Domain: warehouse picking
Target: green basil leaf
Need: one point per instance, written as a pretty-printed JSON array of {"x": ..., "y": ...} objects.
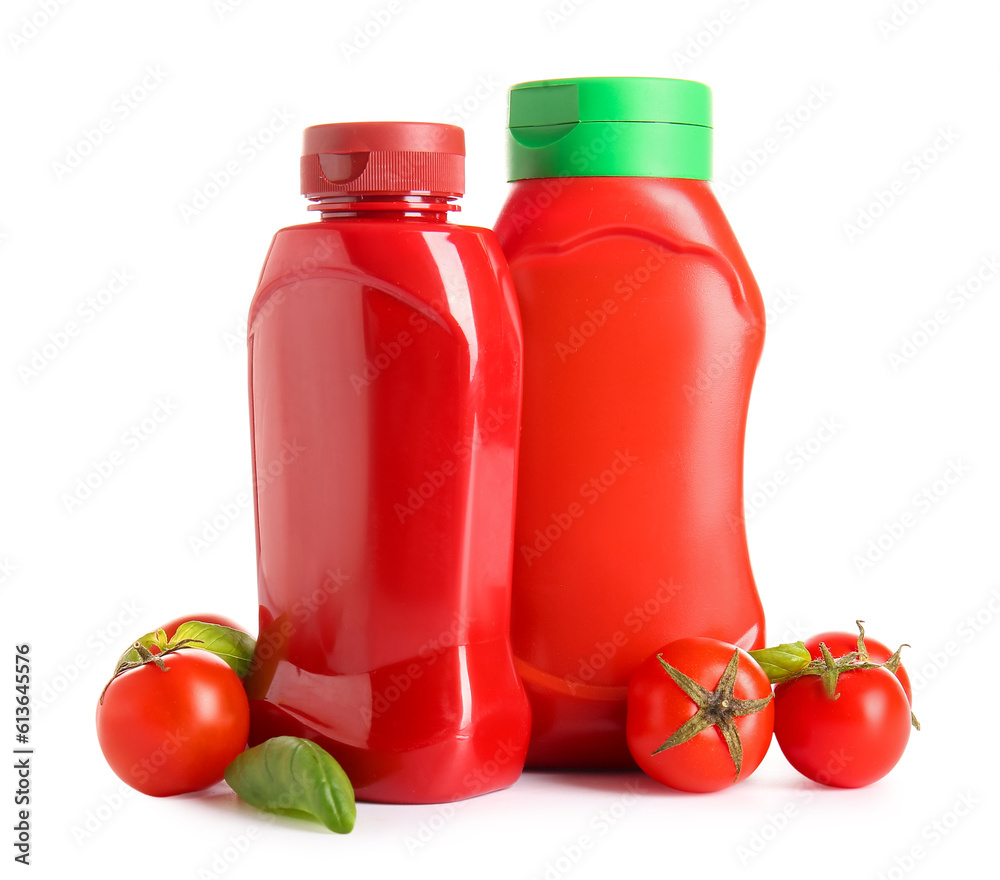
[
  {"x": 290, "y": 773},
  {"x": 232, "y": 645},
  {"x": 782, "y": 662}
]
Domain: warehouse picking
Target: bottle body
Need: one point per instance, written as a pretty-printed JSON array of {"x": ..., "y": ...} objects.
[
  {"x": 385, "y": 392},
  {"x": 642, "y": 330}
]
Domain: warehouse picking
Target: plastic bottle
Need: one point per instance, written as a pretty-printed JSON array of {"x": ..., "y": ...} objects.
[
  {"x": 643, "y": 327},
  {"x": 385, "y": 393}
]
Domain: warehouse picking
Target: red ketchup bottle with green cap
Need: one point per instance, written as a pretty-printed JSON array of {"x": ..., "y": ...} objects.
[
  {"x": 385, "y": 395},
  {"x": 642, "y": 330}
]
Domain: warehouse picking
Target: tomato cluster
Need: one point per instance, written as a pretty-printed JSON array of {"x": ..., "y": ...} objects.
[{"x": 701, "y": 712}]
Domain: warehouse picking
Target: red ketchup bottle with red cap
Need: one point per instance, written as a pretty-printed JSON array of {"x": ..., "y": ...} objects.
[{"x": 385, "y": 395}]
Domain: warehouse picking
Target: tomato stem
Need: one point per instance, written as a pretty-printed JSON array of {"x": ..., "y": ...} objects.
[
  {"x": 862, "y": 647},
  {"x": 831, "y": 671},
  {"x": 125, "y": 662}
]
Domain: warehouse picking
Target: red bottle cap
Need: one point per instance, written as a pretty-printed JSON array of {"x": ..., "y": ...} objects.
[{"x": 383, "y": 158}]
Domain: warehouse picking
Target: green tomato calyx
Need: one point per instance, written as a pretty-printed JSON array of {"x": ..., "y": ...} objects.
[{"x": 716, "y": 708}]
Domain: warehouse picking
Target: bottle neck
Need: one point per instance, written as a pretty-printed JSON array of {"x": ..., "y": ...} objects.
[{"x": 408, "y": 206}]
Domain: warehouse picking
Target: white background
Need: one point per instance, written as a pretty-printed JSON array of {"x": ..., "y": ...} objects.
[{"x": 823, "y": 109}]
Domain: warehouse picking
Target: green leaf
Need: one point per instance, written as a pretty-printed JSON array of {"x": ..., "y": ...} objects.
[
  {"x": 290, "y": 773},
  {"x": 782, "y": 662},
  {"x": 232, "y": 645}
]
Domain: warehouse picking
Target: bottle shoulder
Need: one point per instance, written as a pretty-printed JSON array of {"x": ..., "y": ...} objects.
[
  {"x": 385, "y": 254},
  {"x": 560, "y": 213},
  {"x": 374, "y": 226},
  {"x": 558, "y": 207},
  {"x": 617, "y": 221}
]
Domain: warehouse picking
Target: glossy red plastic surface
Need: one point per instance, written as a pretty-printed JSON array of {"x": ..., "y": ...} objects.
[
  {"x": 385, "y": 404},
  {"x": 642, "y": 330}
]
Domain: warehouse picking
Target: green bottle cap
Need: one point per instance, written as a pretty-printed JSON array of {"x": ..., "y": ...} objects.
[{"x": 610, "y": 126}]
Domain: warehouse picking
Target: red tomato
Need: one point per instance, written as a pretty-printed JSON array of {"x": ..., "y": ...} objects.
[
  {"x": 847, "y": 742},
  {"x": 657, "y": 707},
  {"x": 174, "y": 731},
  {"x": 841, "y": 643}
]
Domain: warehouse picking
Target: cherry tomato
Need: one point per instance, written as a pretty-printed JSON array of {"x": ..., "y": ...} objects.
[
  {"x": 849, "y": 741},
  {"x": 841, "y": 643},
  {"x": 172, "y": 731},
  {"x": 658, "y": 707}
]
